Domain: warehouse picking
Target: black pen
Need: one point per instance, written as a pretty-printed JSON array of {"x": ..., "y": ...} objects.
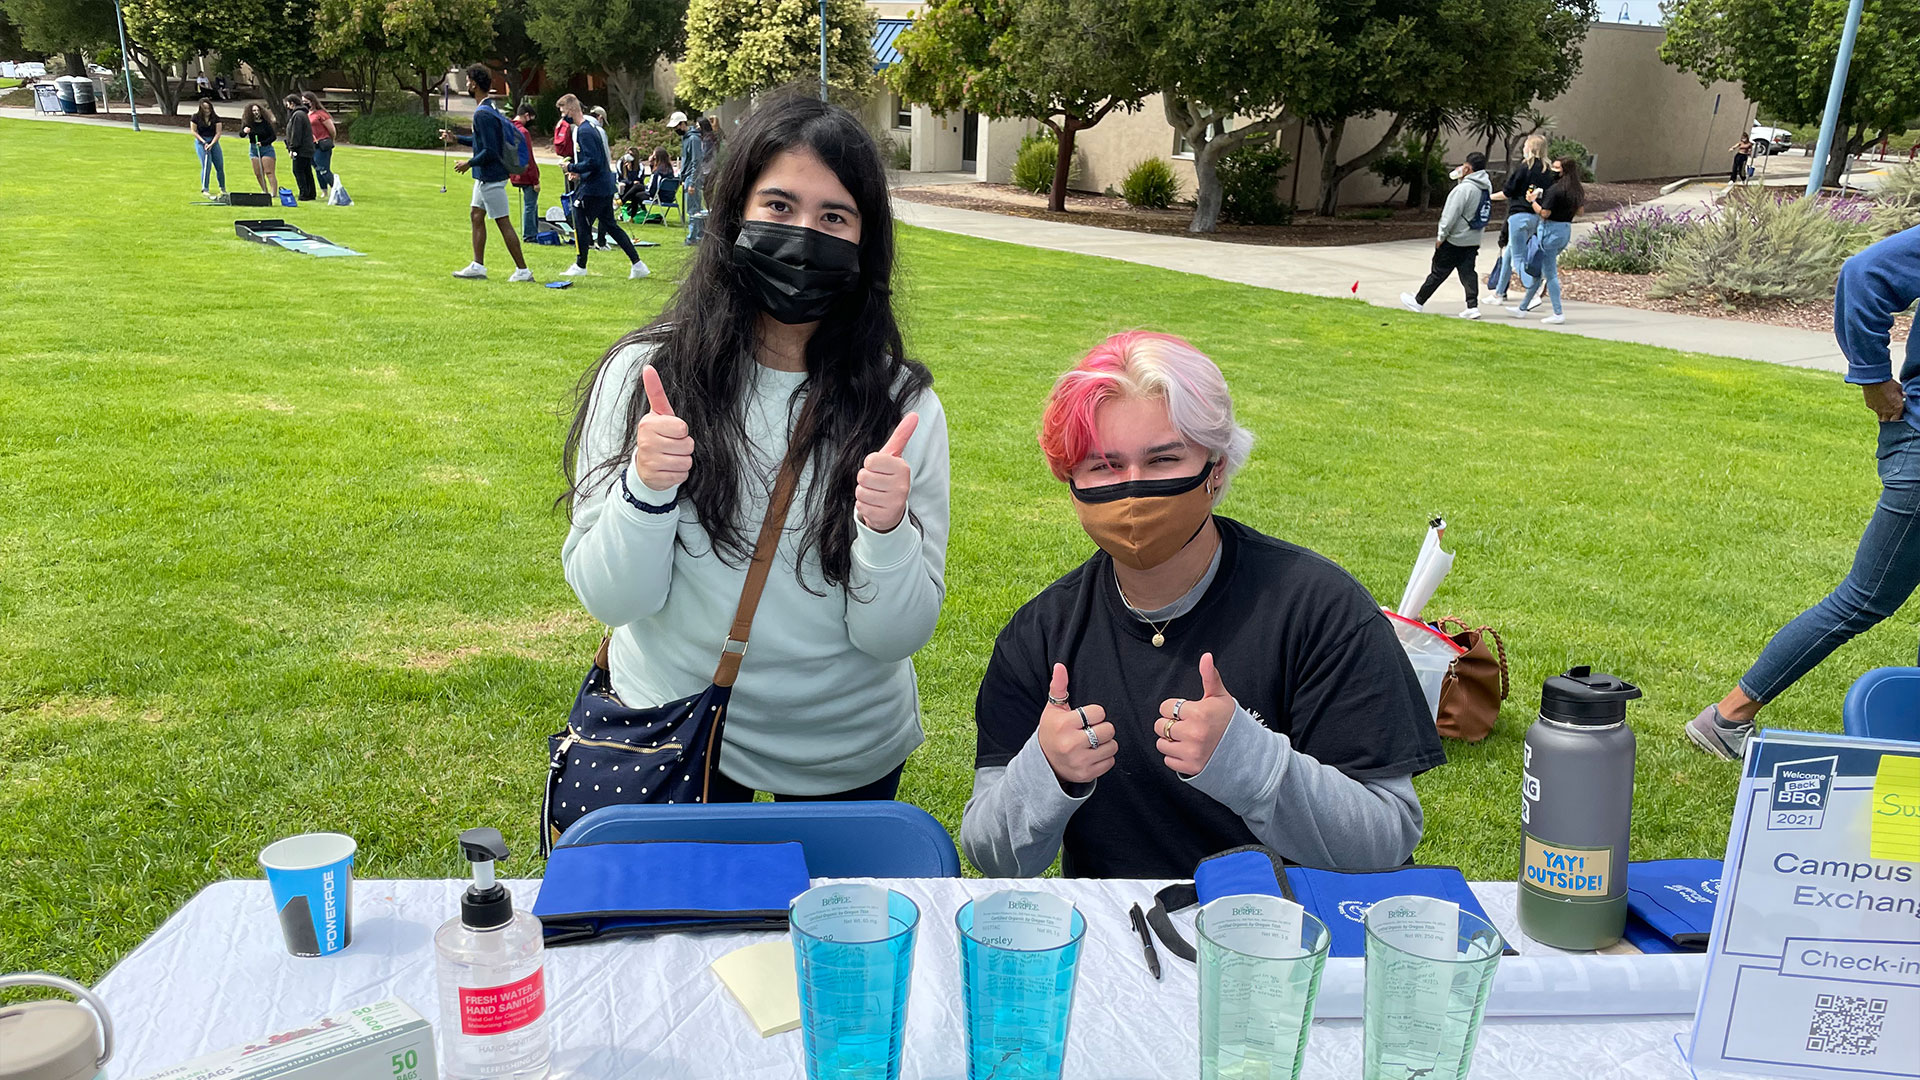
[{"x": 1146, "y": 940}]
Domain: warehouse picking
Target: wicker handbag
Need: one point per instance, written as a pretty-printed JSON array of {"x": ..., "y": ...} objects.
[{"x": 1475, "y": 683}]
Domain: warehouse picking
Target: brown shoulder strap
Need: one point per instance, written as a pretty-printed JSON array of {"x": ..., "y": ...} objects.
[{"x": 764, "y": 548}]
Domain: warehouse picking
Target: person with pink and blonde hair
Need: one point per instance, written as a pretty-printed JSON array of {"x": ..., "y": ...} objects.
[{"x": 1107, "y": 731}]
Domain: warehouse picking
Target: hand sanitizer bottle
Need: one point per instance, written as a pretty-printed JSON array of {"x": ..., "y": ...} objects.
[{"x": 493, "y": 991}]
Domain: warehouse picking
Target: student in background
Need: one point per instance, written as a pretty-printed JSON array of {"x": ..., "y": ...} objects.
[
  {"x": 528, "y": 181},
  {"x": 1742, "y": 150},
  {"x": 1525, "y": 183},
  {"x": 206, "y": 142},
  {"x": 323, "y": 142},
  {"x": 490, "y": 128},
  {"x": 1874, "y": 286},
  {"x": 593, "y": 198},
  {"x": 300, "y": 144},
  {"x": 691, "y": 177},
  {"x": 563, "y": 146},
  {"x": 631, "y": 180},
  {"x": 257, "y": 126},
  {"x": 1557, "y": 207},
  {"x": 662, "y": 188},
  {"x": 1462, "y": 223}
]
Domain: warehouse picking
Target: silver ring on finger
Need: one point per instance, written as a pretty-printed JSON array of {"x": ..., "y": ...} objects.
[
  {"x": 1057, "y": 701},
  {"x": 1093, "y": 739},
  {"x": 1085, "y": 724},
  {"x": 1177, "y": 702}
]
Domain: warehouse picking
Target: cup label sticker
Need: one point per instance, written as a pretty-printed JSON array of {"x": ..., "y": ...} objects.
[
  {"x": 1422, "y": 925},
  {"x": 491, "y": 1010},
  {"x": 1263, "y": 926},
  {"x": 844, "y": 913},
  {"x": 1014, "y": 919}
]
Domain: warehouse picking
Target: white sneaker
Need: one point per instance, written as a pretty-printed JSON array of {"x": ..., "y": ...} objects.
[
  {"x": 472, "y": 270},
  {"x": 1470, "y": 313},
  {"x": 1554, "y": 319},
  {"x": 1407, "y": 299},
  {"x": 522, "y": 274},
  {"x": 205, "y": 194},
  {"x": 1537, "y": 301},
  {"x": 1494, "y": 301},
  {"x": 639, "y": 271},
  {"x": 574, "y": 270},
  {"x": 1517, "y": 312}
]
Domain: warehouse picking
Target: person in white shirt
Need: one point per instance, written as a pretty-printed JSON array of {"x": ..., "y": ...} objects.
[{"x": 682, "y": 428}]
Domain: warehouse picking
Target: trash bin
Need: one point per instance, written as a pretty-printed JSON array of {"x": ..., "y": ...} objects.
[
  {"x": 83, "y": 96},
  {"x": 64, "y": 84}
]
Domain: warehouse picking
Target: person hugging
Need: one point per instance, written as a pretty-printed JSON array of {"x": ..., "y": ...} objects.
[{"x": 1196, "y": 685}]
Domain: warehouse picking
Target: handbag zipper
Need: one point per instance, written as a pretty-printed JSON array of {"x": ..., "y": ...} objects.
[{"x": 573, "y": 738}]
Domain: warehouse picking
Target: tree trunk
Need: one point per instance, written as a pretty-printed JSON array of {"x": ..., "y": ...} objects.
[
  {"x": 74, "y": 63},
  {"x": 1207, "y": 195},
  {"x": 1333, "y": 171},
  {"x": 516, "y": 85},
  {"x": 1845, "y": 145},
  {"x": 157, "y": 76},
  {"x": 631, "y": 89},
  {"x": 1426, "y": 154},
  {"x": 1062, "y": 165}
]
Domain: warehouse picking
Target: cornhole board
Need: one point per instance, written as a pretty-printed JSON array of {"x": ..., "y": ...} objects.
[{"x": 277, "y": 232}]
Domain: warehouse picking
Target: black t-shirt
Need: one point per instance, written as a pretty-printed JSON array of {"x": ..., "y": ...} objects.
[
  {"x": 1298, "y": 642},
  {"x": 1535, "y": 175},
  {"x": 1559, "y": 204},
  {"x": 260, "y": 132},
  {"x": 205, "y": 131}
]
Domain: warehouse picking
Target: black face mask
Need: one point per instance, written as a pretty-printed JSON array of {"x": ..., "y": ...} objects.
[{"x": 796, "y": 273}]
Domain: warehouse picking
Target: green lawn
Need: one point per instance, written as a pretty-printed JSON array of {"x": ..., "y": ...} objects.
[{"x": 278, "y": 548}]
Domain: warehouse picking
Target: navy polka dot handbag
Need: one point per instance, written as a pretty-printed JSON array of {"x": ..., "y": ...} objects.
[{"x": 611, "y": 754}]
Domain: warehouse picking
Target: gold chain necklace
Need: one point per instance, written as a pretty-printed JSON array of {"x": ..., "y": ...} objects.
[{"x": 1159, "y": 632}]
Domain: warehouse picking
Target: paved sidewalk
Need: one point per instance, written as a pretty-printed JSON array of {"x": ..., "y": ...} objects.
[{"x": 1383, "y": 271}]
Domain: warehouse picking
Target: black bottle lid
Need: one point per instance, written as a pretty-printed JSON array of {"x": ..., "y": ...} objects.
[
  {"x": 1586, "y": 697},
  {"x": 486, "y": 905}
]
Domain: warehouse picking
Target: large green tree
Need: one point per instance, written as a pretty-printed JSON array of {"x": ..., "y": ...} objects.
[
  {"x": 1229, "y": 73},
  {"x": 619, "y": 38},
  {"x": 736, "y": 48},
  {"x": 64, "y": 27},
  {"x": 516, "y": 50},
  {"x": 1065, "y": 63},
  {"x": 416, "y": 40},
  {"x": 1781, "y": 52}
]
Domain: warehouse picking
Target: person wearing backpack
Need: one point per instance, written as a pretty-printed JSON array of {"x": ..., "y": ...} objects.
[
  {"x": 593, "y": 198},
  {"x": 499, "y": 151},
  {"x": 1469, "y": 208}
]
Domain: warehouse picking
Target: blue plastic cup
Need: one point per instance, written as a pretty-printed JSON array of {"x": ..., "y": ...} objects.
[
  {"x": 853, "y": 959},
  {"x": 311, "y": 876},
  {"x": 1018, "y": 1000}
]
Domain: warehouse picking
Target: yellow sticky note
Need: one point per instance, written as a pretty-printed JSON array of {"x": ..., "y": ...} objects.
[
  {"x": 762, "y": 980},
  {"x": 1895, "y": 819}
]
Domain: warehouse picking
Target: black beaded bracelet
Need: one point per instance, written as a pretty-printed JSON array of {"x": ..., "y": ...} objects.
[{"x": 627, "y": 494}]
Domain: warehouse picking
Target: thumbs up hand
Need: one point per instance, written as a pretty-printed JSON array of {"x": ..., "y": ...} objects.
[
  {"x": 1079, "y": 742},
  {"x": 880, "y": 495},
  {"x": 1190, "y": 729},
  {"x": 662, "y": 449}
]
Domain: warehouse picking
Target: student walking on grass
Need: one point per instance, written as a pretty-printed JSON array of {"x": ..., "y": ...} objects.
[
  {"x": 1557, "y": 207},
  {"x": 528, "y": 181},
  {"x": 1874, "y": 286},
  {"x": 257, "y": 127},
  {"x": 490, "y": 130},
  {"x": 593, "y": 198},
  {"x": 324, "y": 133},
  {"x": 781, "y": 344},
  {"x": 1463, "y": 221},
  {"x": 206, "y": 142}
]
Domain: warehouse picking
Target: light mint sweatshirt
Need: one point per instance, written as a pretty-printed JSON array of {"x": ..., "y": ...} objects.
[{"x": 826, "y": 699}]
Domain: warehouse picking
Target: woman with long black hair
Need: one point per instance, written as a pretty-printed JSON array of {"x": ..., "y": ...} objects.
[
  {"x": 781, "y": 340},
  {"x": 1556, "y": 207}
]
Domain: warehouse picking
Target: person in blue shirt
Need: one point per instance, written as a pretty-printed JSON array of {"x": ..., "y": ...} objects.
[
  {"x": 491, "y": 128},
  {"x": 592, "y": 168},
  {"x": 1874, "y": 286}
]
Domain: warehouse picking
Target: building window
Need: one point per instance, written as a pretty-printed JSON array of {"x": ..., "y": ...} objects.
[
  {"x": 902, "y": 113},
  {"x": 1184, "y": 149}
]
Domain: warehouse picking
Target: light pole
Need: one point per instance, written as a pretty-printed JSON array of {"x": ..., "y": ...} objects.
[
  {"x": 1836, "y": 89},
  {"x": 126, "y": 64},
  {"x": 823, "y": 49}
]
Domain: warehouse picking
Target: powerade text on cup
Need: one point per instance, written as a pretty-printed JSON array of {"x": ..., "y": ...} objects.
[
  {"x": 1576, "y": 812},
  {"x": 312, "y": 881}
]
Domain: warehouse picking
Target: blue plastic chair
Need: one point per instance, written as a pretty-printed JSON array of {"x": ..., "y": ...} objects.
[
  {"x": 841, "y": 839},
  {"x": 1884, "y": 704}
]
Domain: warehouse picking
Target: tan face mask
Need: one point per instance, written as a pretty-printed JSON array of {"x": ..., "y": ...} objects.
[{"x": 1143, "y": 523}]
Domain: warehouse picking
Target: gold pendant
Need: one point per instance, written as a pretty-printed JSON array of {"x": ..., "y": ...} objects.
[{"x": 1159, "y": 640}]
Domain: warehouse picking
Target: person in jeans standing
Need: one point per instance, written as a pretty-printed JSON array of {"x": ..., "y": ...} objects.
[
  {"x": 691, "y": 152},
  {"x": 300, "y": 143},
  {"x": 490, "y": 130},
  {"x": 323, "y": 142},
  {"x": 1463, "y": 221},
  {"x": 206, "y": 141},
  {"x": 1523, "y": 185},
  {"x": 593, "y": 198},
  {"x": 1557, "y": 207},
  {"x": 528, "y": 181},
  {"x": 257, "y": 126},
  {"x": 1742, "y": 150},
  {"x": 1874, "y": 286}
]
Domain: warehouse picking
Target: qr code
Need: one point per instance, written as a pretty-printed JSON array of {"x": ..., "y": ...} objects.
[{"x": 1846, "y": 1025}]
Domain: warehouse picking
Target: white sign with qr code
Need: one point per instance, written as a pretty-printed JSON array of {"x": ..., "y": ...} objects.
[{"x": 1814, "y": 961}]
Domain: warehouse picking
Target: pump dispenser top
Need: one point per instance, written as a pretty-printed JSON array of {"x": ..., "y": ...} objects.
[{"x": 487, "y": 904}]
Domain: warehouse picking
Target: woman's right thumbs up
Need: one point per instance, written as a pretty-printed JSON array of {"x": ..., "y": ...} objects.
[{"x": 662, "y": 449}]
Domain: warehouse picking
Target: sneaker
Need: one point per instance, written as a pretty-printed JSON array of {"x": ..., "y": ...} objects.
[
  {"x": 1718, "y": 735},
  {"x": 1516, "y": 312},
  {"x": 639, "y": 271},
  {"x": 472, "y": 270},
  {"x": 1537, "y": 301},
  {"x": 522, "y": 274},
  {"x": 574, "y": 270},
  {"x": 1470, "y": 313},
  {"x": 1496, "y": 301},
  {"x": 1556, "y": 319},
  {"x": 1408, "y": 301},
  {"x": 205, "y": 194}
]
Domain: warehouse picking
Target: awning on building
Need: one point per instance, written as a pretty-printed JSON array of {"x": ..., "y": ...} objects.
[{"x": 885, "y": 33}]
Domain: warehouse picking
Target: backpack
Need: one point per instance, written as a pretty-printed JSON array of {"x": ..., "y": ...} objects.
[
  {"x": 515, "y": 152},
  {"x": 1483, "y": 213}
]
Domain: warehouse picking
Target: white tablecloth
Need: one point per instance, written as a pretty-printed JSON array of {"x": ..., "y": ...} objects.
[{"x": 216, "y": 975}]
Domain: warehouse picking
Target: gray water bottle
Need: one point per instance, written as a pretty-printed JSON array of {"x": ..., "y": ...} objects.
[{"x": 1576, "y": 812}]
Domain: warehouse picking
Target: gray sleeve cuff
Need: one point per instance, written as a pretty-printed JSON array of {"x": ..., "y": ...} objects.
[
  {"x": 1014, "y": 823},
  {"x": 1247, "y": 767}
]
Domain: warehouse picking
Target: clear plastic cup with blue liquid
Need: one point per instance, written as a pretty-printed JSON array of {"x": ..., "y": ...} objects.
[
  {"x": 853, "y": 958},
  {"x": 1019, "y": 960}
]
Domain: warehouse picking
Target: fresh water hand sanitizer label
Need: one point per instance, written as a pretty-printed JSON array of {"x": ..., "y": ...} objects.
[{"x": 1014, "y": 919}]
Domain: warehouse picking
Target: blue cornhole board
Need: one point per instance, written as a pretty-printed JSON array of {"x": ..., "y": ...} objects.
[{"x": 280, "y": 234}]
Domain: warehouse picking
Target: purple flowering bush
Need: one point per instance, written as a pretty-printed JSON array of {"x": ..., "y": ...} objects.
[{"x": 1629, "y": 240}]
